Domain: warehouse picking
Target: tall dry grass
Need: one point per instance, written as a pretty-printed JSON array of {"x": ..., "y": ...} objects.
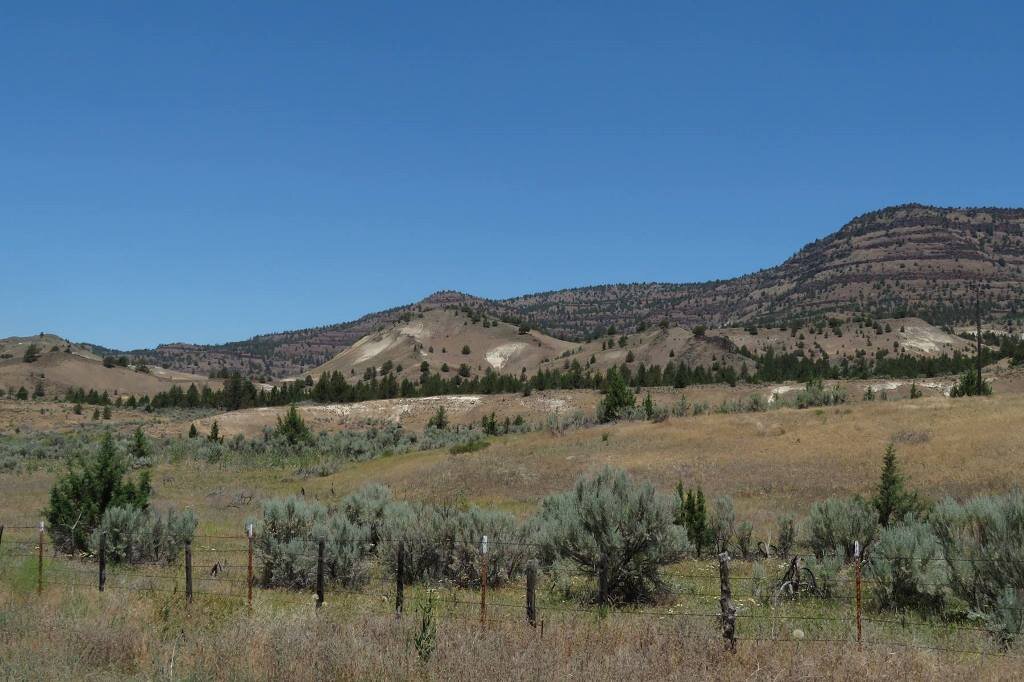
[{"x": 82, "y": 634}]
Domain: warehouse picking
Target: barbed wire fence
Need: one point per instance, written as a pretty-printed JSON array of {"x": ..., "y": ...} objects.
[{"x": 224, "y": 567}]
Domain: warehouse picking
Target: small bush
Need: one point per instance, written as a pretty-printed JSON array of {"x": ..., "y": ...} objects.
[
  {"x": 982, "y": 542},
  {"x": 835, "y": 525},
  {"x": 815, "y": 394},
  {"x": 907, "y": 568},
  {"x": 135, "y": 535},
  {"x": 469, "y": 446},
  {"x": 615, "y": 530},
  {"x": 367, "y": 507},
  {"x": 785, "y": 537},
  {"x": 723, "y": 522}
]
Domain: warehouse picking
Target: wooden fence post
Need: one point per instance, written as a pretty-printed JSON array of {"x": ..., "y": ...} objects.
[
  {"x": 400, "y": 581},
  {"x": 249, "y": 533},
  {"x": 856, "y": 552},
  {"x": 483, "y": 581},
  {"x": 728, "y": 610},
  {"x": 103, "y": 560},
  {"x": 531, "y": 592},
  {"x": 1, "y": 534},
  {"x": 320, "y": 574},
  {"x": 39, "y": 577},
  {"x": 188, "y": 572}
]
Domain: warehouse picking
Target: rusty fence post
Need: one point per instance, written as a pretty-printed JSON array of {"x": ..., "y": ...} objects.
[{"x": 728, "y": 610}]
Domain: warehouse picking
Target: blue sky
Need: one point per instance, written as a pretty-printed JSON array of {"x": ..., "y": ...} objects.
[{"x": 208, "y": 171}]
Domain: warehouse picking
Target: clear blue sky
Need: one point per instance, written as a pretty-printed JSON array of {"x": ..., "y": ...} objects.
[{"x": 207, "y": 171}]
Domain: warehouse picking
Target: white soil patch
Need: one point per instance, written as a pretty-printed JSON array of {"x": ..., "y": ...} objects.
[
  {"x": 499, "y": 355},
  {"x": 925, "y": 340},
  {"x": 370, "y": 349},
  {"x": 778, "y": 391},
  {"x": 553, "y": 403},
  {"x": 418, "y": 330},
  {"x": 886, "y": 386}
]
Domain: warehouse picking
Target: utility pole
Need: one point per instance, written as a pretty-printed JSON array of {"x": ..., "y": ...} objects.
[{"x": 977, "y": 320}]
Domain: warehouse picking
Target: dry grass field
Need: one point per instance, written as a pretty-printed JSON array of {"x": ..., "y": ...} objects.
[{"x": 769, "y": 462}]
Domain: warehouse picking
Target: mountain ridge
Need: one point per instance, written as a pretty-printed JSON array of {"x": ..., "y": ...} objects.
[{"x": 898, "y": 261}]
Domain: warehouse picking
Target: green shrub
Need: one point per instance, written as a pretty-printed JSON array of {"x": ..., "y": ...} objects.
[
  {"x": 968, "y": 385},
  {"x": 982, "y": 541},
  {"x": 442, "y": 543},
  {"x": 469, "y": 446},
  {"x": 618, "y": 398},
  {"x": 723, "y": 522},
  {"x": 835, "y": 525},
  {"x": 346, "y": 546},
  {"x": 293, "y": 428},
  {"x": 785, "y": 536},
  {"x": 907, "y": 568},
  {"x": 136, "y": 535},
  {"x": 893, "y": 500},
  {"x": 284, "y": 542},
  {"x": 367, "y": 507},
  {"x": 92, "y": 484},
  {"x": 615, "y": 530},
  {"x": 815, "y": 394}
]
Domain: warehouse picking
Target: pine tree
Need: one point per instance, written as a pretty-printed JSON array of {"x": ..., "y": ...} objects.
[
  {"x": 293, "y": 428},
  {"x": 92, "y": 484},
  {"x": 193, "y": 432},
  {"x": 31, "y": 353},
  {"x": 138, "y": 448},
  {"x": 439, "y": 420},
  {"x": 893, "y": 501},
  {"x": 617, "y": 397},
  {"x": 106, "y": 412},
  {"x": 649, "y": 406},
  {"x": 22, "y": 394},
  {"x": 214, "y": 436}
]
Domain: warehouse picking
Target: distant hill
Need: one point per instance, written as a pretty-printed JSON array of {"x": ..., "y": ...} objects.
[
  {"x": 904, "y": 261},
  {"x": 62, "y": 364}
]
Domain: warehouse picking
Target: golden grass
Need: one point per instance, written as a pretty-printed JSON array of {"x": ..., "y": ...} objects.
[
  {"x": 769, "y": 462},
  {"x": 81, "y": 633}
]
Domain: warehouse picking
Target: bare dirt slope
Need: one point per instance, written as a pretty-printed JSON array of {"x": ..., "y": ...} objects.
[
  {"x": 439, "y": 337},
  {"x": 59, "y": 371},
  {"x": 910, "y": 336}
]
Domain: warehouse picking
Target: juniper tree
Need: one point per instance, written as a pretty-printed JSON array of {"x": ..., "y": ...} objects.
[
  {"x": 617, "y": 397},
  {"x": 893, "y": 501},
  {"x": 31, "y": 353},
  {"x": 293, "y": 428},
  {"x": 92, "y": 483},
  {"x": 138, "y": 447}
]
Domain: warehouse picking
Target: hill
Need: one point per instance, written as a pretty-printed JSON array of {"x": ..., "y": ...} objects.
[
  {"x": 902, "y": 261},
  {"x": 62, "y": 364}
]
